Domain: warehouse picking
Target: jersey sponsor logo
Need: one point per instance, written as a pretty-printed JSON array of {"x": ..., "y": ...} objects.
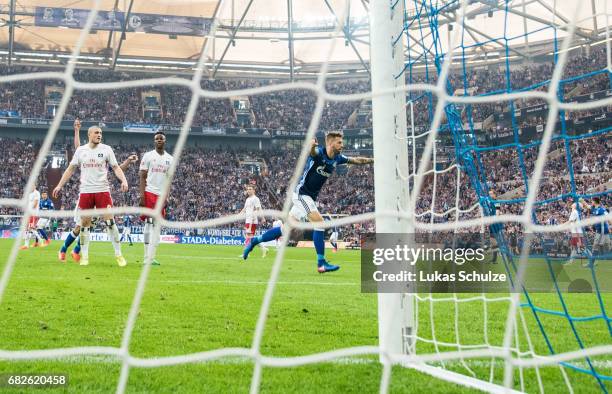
[
  {"x": 93, "y": 164},
  {"x": 100, "y": 154},
  {"x": 160, "y": 169},
  {"x": 321, "y": 171}
]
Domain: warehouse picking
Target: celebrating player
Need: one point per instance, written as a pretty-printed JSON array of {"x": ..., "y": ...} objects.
[
  {"x": 74, "y": 233},
  {"x": 154, "y": 168},
  {"x": 93, "y": 160},
  {"x": 320, "y": 166},
  {"x": 251, "y": 206},
  {"x": 34, "y": 204}
]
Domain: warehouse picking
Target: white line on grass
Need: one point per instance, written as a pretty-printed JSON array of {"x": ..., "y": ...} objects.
[
  {"x": 237, "y": 259},
  {"x": 178, "y": 281}
]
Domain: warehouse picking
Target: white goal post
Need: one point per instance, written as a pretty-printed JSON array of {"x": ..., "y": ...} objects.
[{"x": 395, "y": 311}]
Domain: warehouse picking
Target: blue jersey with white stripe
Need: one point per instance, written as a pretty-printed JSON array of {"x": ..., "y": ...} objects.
[
  {"x": 318, "y": 168},
  {"x": 602, "y": 227},
  {"x": 127, "y": 221},
  {"x": 46, "y": 205}
]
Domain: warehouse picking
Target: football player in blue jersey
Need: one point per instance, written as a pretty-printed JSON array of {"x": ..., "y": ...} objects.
[
  {"x": 127, "y": 229},
  {"x": 320, "y": 165},
  {"x": 601, "y": 242},
  {"x": 45, "y": 205}
]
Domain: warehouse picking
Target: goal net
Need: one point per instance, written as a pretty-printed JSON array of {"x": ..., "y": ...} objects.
[
  {"x": 428, "y": 94},
  {"x": 520, "y": 157}
]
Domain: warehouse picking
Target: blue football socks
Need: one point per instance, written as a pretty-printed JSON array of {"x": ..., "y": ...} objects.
[
  {"x": 318, "y": 237},
  {"x": 43, "y": 234},
  {"x": 270, "y": 235},
  {"x": 69, "y": 240}
]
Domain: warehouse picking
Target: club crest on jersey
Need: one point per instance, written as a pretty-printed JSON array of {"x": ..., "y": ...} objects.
[
  {"x": 100, "y": 154},
  {"x": 321, "y": 171}
]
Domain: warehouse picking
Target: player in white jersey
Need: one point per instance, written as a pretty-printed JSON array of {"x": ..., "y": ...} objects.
[
  {"x": 153, "y": 173},
  {"x": 74, "y": 234},
  {"x": 33, "y": 204},
  {"x": 576, "y": 242},
  {"x": 251, "y": 206},
  {"x": 94, "y": 159}
]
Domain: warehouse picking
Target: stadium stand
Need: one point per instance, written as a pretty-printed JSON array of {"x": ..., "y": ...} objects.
[{"x": 206, "y": 173}]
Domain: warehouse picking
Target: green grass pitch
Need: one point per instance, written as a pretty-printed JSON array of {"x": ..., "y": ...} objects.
[{"x": 204, "y": 297}]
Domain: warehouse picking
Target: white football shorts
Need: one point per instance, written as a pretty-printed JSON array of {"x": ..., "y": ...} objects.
[
  {"x": 302, "y": 206},
  {"x": 42, "y": 222}
]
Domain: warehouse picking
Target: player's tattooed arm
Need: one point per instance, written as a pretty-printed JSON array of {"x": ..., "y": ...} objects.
[
  {"x": 77, "y": 129},
  {"x": 360, "y": 160},
  {"x": 129, "y": 161},
  {"x": 67, "y": 174},
  {"x": 142, "y": 174},
  {"x": 121, "y": 176}
]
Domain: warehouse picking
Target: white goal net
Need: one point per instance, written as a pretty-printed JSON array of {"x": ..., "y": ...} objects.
[{"x": 490, "y": 342}]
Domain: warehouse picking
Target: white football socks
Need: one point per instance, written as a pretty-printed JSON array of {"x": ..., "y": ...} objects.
[
  {"x": 154, "y": 240},
  {"x": 113, "y": 234},
  {"x": 84, "y": 237},
  {"x": 147, "y": 240}
]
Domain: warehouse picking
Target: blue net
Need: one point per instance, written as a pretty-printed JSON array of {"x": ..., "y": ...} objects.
[{"x": 496, "y": 145}]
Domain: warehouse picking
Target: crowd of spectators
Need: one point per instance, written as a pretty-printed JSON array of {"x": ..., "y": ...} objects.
[
  {"x": 210, "y": 183},
  {"x": 292, "y": 109}
]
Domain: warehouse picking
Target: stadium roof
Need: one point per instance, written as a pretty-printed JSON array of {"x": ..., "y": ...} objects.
[{"x": 271, "y": 36}]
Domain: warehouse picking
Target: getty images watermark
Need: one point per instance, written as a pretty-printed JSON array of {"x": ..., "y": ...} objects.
[{"x": 465, "y": 263}]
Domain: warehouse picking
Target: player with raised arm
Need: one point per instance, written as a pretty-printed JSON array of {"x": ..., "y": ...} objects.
[
  {"x": 153, "y": 174},
  {"x": 94, "y": 159},
  {"x": 34, "y": 204},
  {"x": 74, "y": 233},
  {"x": 320, "y": 165},
  {"x": 576, "y": 241},
  {"x": 251, "y": 206}
]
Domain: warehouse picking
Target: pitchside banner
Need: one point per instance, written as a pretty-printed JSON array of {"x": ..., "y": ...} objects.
[
  {"x": 113, "y": 20},
  {"x": 211, "y": 240},
  {"x": 462, "y": 263}
]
